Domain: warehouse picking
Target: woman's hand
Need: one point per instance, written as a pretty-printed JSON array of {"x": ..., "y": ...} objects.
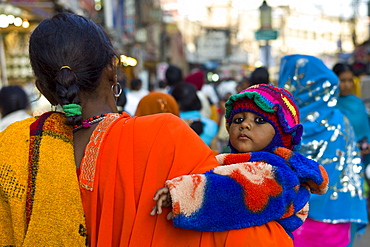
[{"x": 163, "y": 198}]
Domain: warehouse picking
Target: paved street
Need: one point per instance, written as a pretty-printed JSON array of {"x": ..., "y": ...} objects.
[{"x": 364, "y": 241}]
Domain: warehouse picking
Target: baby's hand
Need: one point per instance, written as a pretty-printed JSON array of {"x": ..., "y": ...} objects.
[{"x": 163, "y": 198}]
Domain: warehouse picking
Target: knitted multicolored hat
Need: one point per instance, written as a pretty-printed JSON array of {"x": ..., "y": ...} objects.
[{"x": 274, "y": 104}]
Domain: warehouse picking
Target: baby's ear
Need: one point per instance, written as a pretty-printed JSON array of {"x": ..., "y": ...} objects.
[{"x": 227, "y": 125}]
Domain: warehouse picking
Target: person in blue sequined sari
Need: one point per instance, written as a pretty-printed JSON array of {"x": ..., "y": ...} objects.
[
  {"x": 329, "y": 139},
  {"x": 354, "y": 109}
]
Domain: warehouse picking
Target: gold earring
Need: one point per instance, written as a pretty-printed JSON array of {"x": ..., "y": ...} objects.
[{"x": 117, "y": 89}]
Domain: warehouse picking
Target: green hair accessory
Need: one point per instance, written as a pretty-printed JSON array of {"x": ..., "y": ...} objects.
[{"x": 72, "y": 110}]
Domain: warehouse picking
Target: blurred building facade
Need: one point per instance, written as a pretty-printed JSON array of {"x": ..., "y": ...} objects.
[
  {"x": 218, "y": 35},
  {"x": 224, "y": 32}
]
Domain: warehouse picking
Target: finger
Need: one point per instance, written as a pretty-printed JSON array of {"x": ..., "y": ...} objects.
[
  {"x": 162, "y": 202},
  {"x": 159, "y": 207},
  {"x": 169, "y": 216},
  {"x": 159, "y": 210},
  {"x": 160, "y": 192},
  {"x": 156, "y": 196},
  {"x": 153, "y": 212}
]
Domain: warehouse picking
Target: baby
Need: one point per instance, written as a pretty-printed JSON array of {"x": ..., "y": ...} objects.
[{"x": 262, "y": 180}]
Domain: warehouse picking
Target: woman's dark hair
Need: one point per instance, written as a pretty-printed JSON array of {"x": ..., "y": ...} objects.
[
  {"x": 69, "y": 40},
  {"x": 136, "y": 84},
  {"x": 173, "y": 75},
  {"x": 197, "y": 126},
  {"x": 186, "y": 96},
  {"x": 162, "y": 84},
  {"x": 122, "y": 99},
  {"x": 339, "y": 68},
  {"x": 260, "y": 76},
  {"x": 12, "y": 98}
]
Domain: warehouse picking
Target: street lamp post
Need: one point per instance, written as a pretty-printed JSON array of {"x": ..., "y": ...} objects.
[
  {"x": 265, "y": 16},
  {"x": 266, "y": 32}
]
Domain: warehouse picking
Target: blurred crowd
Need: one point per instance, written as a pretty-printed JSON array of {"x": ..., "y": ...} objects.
[{"x": 201, "y": 104}]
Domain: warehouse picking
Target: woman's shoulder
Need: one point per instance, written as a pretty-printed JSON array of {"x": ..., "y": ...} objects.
[
  {"x": 160, "y": 118},
  {"x": 350, "y": 97},
  {"x": 17, "y": 131}
]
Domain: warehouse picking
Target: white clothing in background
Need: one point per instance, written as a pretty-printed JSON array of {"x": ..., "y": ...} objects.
[
  {"x": 210, "y": 91},
  {"x": 13, "y": 117},
  {"x": 206, "y": 110},
  {"x": 133, "y": 99}
]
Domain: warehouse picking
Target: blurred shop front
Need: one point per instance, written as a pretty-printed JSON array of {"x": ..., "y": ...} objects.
[{"x": 17, "y": 20}]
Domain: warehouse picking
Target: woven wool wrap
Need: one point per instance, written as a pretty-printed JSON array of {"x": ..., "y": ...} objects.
[{"x": 40, "y": 202}]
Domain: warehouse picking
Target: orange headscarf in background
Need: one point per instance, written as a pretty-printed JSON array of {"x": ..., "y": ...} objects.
[{"x": 157, "y": 102}]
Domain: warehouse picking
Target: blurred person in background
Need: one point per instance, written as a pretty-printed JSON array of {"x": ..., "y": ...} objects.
[
  {"x": 352, "y": 106},
  {"x": 355, "y": 110},
  {"x": 173, "y": 76},
  {"x": 14, "y": 105},
  {"x": 134, "y": 95},
  {"x": 328, "y": 138},
  {"x": 259, "y": 76},
  {"x": 162, "y": 86},
  {"x": 224, "y": 89},
  {"x": 157, "y": 102},
  {"x": 197, "y": 79},
  {"x": 122, "y": 99},
  {"x": 186, "y": 96},
  {"x": 244, "y": 83},
  {"x": 223, "y": 134},
  {"x": 209, "y": 90}
]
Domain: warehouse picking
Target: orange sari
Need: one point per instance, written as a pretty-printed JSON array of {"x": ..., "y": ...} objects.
[{"x": 130, "y": 159}]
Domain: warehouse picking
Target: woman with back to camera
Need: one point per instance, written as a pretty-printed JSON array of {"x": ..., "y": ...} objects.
[
  {"x": 43, "y": 201},
  {"x": 157, "y": 102},
  {"x": 120, "y": 160}
]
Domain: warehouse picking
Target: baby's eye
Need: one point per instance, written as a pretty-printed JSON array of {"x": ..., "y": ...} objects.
[
  {"x": 238, "y": 120},
  {"x": 259, "y": 120}
]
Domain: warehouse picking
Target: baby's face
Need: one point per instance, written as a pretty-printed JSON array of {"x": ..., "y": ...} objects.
[{"x": 249, "y": 132}]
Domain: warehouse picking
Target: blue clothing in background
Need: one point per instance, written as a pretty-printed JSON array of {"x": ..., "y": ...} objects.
[
  {"x": 210, "y": 127},
  {"x": 354, "y": 109},
  {"x": 327, "y": 138}
]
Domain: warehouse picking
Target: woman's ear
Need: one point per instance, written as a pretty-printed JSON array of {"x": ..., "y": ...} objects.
[
  {"x": 111, "y": 70},
  {"x": 44, "y": 91}
]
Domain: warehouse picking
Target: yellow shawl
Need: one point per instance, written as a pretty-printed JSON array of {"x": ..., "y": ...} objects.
[{"x": 40, "y": 203}]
